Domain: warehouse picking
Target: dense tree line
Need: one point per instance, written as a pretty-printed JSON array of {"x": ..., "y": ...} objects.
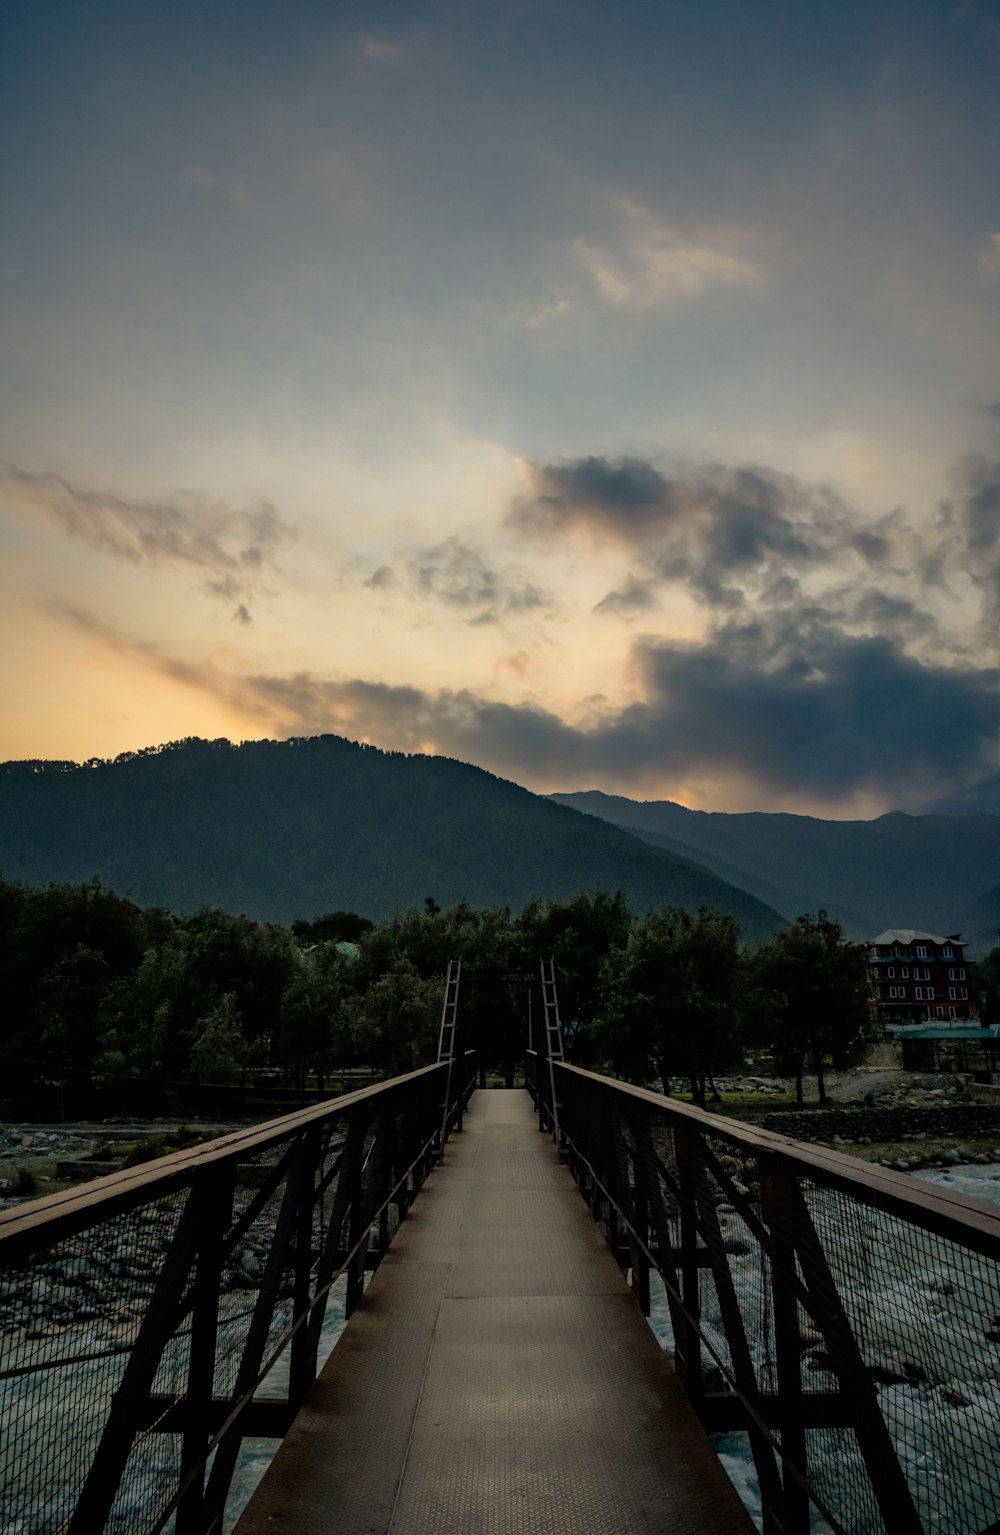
[{"x": 92, "y": 983}]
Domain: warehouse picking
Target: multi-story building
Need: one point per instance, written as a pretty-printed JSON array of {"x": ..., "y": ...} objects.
[{"x": 919, "y": 977}]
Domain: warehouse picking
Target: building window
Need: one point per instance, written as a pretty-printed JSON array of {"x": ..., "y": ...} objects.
[
  {"x": 939, "y": 1012},
  {"x": 963, "y": 993},
  {"x": 890, "y": 970},
  {"x": 951, "y": 1012},
  {"x": 922, "y": 950},
  {"x": 948, "y": 952},
  {"x": 952, "y": 994}
]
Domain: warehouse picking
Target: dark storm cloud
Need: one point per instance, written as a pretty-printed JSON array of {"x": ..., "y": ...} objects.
[
  {"x": 813, "y": 707},
  {"x": 229, "y": 545},
  {"x": 716, "y": 529},
  {"x": 789, "y": 705},
  {"x": 626, "y": 497},
  {"x": 811, "y": 712}
]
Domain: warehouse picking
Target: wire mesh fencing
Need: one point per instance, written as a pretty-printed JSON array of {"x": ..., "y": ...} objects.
[
  {"x": 152, "y": 1320},
  {"x": 846, "y": 1318}
]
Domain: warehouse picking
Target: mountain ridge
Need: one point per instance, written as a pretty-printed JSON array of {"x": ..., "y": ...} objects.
[
  {"x": 935, "y": 872},
  {"x": 286, "y": 829}
]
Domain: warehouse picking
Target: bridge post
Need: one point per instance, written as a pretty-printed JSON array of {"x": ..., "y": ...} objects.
[
  {"x": 640, "y": 1258},
  {"x": 685, "y": 1317},
  {"x": 857, "y": 1385},
  {"x": 106, "y": 1469},
  {"x": 776, "y": 1205},
  {"x": 298, "y": 1188},
  {"x": 302, "y": 1363},
  {"x": 741, "y": 1359},
  {"x": 214, "y": 1207}
]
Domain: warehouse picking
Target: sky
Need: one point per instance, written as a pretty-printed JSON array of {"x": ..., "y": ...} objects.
[{"x": 607, "y": 396}]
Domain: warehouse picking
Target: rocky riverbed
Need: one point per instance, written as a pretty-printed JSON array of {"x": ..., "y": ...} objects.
[{"x": 41, "y": 1159}]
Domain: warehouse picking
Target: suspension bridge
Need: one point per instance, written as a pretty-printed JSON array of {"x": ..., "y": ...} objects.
[{"x": 162, "y": 1326}]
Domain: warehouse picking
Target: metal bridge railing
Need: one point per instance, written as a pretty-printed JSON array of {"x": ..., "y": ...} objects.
[
  {"x": 154, "y": 1318},
  {"x": 845, "y": 1316}
]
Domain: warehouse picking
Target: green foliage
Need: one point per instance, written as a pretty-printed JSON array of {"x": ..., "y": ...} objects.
[
  {"x": 220, "y": 1051},
  {"x": 394, "y": 1023},
  {"x": 146, "y": 1150},
  {"x": 334, "y": 927},
  {"x": 813, "y": 988},
  {"x": 674, "y": 998},
  {"x": 25, "y": 1184},
  {"x": 99, "y": 985}
]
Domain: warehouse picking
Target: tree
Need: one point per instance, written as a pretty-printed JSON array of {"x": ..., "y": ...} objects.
[
  {"x": 333, "y": 927},
  {"x": 815, "y": 985},
  {"x": 673, "y": 998},
  {"x": 578, "y": 934},
  {"x": 394, "y": 1023},
  {"x": 309, "y": 1035},
  {"x": 219, "y": 1050}
]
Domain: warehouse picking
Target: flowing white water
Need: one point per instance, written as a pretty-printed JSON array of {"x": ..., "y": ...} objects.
[
  {"x": 257, "y": 1454},
  {"x": 910, "y": 1297}
]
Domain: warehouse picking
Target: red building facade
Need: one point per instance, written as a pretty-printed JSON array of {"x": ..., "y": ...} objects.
[{"x": 919, "y": 977}]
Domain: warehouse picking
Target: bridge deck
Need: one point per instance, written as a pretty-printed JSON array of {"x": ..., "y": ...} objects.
[{"x": 498, "y": 1376}]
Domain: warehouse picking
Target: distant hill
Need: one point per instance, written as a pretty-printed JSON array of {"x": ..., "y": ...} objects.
[
  {"x": 936, "y": 872},
  {"x": 981, "y": 921},
  {"x": 289, "y": 829}
]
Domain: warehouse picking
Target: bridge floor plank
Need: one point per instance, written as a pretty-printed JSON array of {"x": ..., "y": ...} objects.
[{"x": 498, "y": 1376}]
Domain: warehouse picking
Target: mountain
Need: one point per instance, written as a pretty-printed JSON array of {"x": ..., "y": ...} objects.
[
  {"x": 981, "y": 921},
  {"x": 928, "y": 871},
  {"x": 289, "y": 829}
]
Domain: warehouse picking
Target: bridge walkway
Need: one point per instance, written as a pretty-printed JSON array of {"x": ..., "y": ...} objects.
[{"x": 498, "y": 1376}]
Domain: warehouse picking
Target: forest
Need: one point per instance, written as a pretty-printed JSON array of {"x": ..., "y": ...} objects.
[{"x": 98, "y": 990}]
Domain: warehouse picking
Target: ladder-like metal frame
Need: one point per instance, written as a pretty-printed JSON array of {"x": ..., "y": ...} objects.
[
  {"x": 448, "y": 1035},
  {"x": 553, "y": 1034}
]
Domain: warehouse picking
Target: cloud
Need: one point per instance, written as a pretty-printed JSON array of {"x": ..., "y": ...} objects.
[
  {"x": 648, "y": 265},
  {"x": 793, "y": 707},
  {"x": 535, "y": 319},
  {"x": 379, "y": 49},
  {"x": 634, "y": 597},
  {"x": 460, "y": 577},
  {"x": 820, "y": 714},
  {"x": 790, "y": 709},
  {"x": 229, "y": 546},
  {"x": 972, "y": 534},
  {"x": 722, "y": 532}
]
